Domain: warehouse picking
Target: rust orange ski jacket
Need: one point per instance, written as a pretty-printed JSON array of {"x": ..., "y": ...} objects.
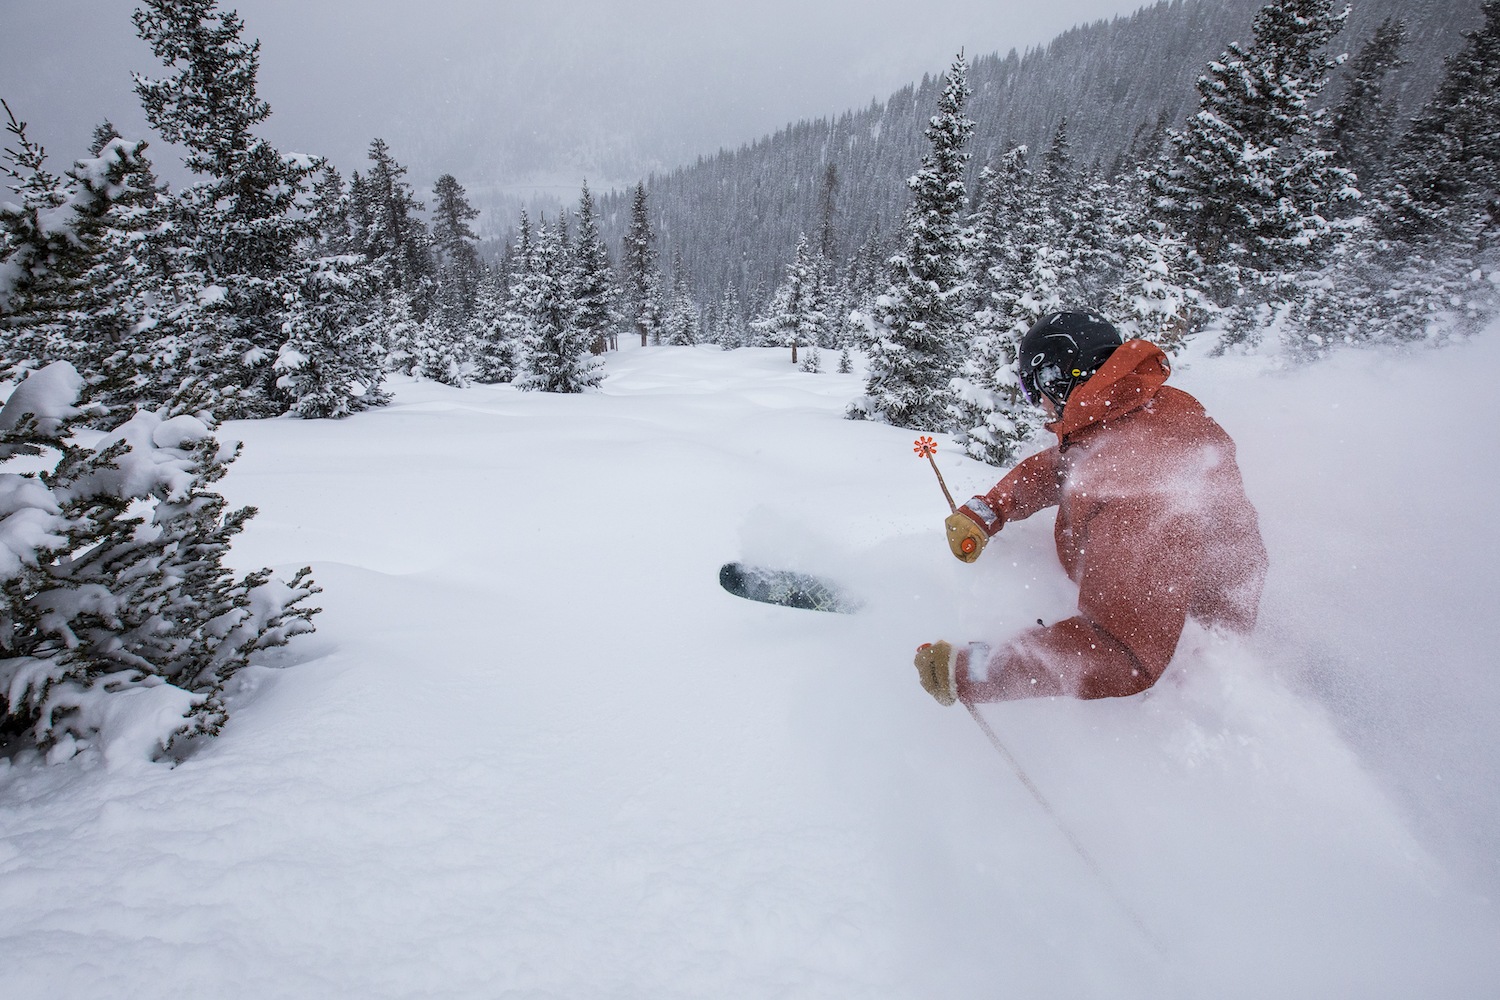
[{"x": 1152, "y": 524}]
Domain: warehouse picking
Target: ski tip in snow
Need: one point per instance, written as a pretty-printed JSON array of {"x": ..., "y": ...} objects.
[{"x": 786, "y": 588}]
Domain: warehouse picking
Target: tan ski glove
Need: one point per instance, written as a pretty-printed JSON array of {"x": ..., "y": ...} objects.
[
  {"x": 965, "y": 538},
  {"x": 935, "y": 669}
]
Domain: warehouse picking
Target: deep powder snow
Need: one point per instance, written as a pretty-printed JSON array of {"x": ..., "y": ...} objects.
[{"x": 533, "y": 750}]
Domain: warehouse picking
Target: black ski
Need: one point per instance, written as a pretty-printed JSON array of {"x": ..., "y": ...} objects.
[{"x": 786, "y": 588}]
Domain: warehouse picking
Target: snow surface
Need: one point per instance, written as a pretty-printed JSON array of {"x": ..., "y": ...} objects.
[{"x": 534, "y": 751}]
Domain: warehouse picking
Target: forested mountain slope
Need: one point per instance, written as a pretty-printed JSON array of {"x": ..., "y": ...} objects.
[{"x": 734, "y": 217}]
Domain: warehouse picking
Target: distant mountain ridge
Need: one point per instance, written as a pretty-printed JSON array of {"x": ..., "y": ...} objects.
[{"x": 734, "y": 217}]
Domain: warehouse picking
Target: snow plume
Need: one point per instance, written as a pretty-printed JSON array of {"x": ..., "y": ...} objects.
[{"x": 120, "y": 625}]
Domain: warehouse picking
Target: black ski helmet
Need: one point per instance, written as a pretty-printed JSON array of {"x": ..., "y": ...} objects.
[{"x": 1061, "y": 351}]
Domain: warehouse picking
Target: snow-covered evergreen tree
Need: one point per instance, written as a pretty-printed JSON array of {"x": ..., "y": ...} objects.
[
  {"x": 79, "y": 269},
  {"x": 1251, "y": 182},
  {"x": 651, "y": 317},
  {"x": 493, "y": 343},
  {"x": 245, "y": 221},
  {"x": 1360, "y": 125},
  {"x": 516, "y": 321},
  {"x": 1090, "y": 242},
  {"x": 1153, "y": 298},
  {"x": 1446, "y": 168},
  {"x": 388, "y": 232},
  {"x": 680, "y": 326},
  {"x": 1015, "y": 268},
  {"x": 729, "y": 323},
  {"x": 331, "y": 363},
  {"x": 916, "y": 337},
  {"x": 555, "y": 352},
  {"x": 440, "y": 352},
  {"x": 453, "y": 241},
  {"x": 333, "y": 233},
  {"x": 1058, "y": 184},
  {"x": 593, "y": 284},
  {"x": 797, "y": 315},
  {"x": 640, "y": 280},
  {"x": 117, "y": 587},
  {"x": 1420, "y": 266},
  {"x": 395, "y": 328}
]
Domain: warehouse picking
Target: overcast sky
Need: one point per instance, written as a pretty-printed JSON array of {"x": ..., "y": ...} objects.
[{"x": 524, "y": 92}]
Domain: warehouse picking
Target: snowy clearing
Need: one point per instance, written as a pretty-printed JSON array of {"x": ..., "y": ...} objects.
[{"x": 533, "y": 750}]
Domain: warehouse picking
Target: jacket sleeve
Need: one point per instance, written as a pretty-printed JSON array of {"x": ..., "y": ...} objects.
[
  {"x": 1031, "y": 486},
  {"x": 1132, "y": 604}
]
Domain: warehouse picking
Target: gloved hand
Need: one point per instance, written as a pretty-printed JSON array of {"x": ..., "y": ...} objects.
[
  {"x": 966, "y": 538},
  {"x": 935, "y": 669}
]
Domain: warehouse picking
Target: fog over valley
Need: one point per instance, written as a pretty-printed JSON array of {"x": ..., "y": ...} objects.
[{"x": 519, "y": 96}]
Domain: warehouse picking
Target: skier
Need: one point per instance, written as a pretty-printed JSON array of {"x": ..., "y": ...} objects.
[{"x": 1152, "y": 524}]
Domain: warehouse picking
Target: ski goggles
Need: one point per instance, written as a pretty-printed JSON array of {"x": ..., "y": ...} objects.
[
  {"x": 1031, "y": 388},
  {"x": 1026, "y": 390}
]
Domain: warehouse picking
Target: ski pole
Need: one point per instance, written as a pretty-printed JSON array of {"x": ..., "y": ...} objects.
[
  {"x": 1088, "y": 859},
  {"x": 926, "y": 447}
]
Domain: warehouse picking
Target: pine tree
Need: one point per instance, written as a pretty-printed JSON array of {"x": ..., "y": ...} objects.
[
  {"x": 680, "y": 325},
  {"x": 43, "y": 255},
  {"x": 1025, "y": 269},
  {"x": 797, "y": 315},
  {"x": 330, "y": 212},
  {"x": 515, "y": 321},
  {"x": 494, "y": 345},
  {"x": 1359, "y": 125},
  {"x": 388, "y": 232},
  {"x": 1249, "y": 182},
  {"x": 729, "y": 328},
  {"x": 651, "y": 319},
  {"x": 1093, "y": 263},
  {"x": 120, "y": 585},
  {"x": 440, "y": 352},
  {"x": 453, "y": 242},
  {"x": 243, "y": 220},
  {"x": 916, "y": 336},
  {"x": 441, "y": 348},
  {"x": 1152, "y": 296},
  {"x": 86, "y": 276},
  {"x": 1058, "y": 183},
  {"x": 1417, "y": 270},
  {"x": 593, "y": 280},
  {"x": 397, "y": 331},
  {"x": 1014, "y": 277},
  {"x": 1447, "y": 166},
  {"x": 134, "y": 334},
  {"x": 827, "y": 209},
  {"x": 331, "y": 363},
  {"x": 640, "y": 281},
  {"x": 556, "y": 349}
]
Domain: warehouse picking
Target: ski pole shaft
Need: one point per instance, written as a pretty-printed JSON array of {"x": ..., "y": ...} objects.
[
  {"x": 948, "y": 496},
  {"x": 1088, "y": 859},
  {"x": 926, "y": 447}
]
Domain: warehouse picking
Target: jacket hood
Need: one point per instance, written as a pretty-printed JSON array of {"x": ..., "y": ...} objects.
[{"x": 1128, "y": 381}]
